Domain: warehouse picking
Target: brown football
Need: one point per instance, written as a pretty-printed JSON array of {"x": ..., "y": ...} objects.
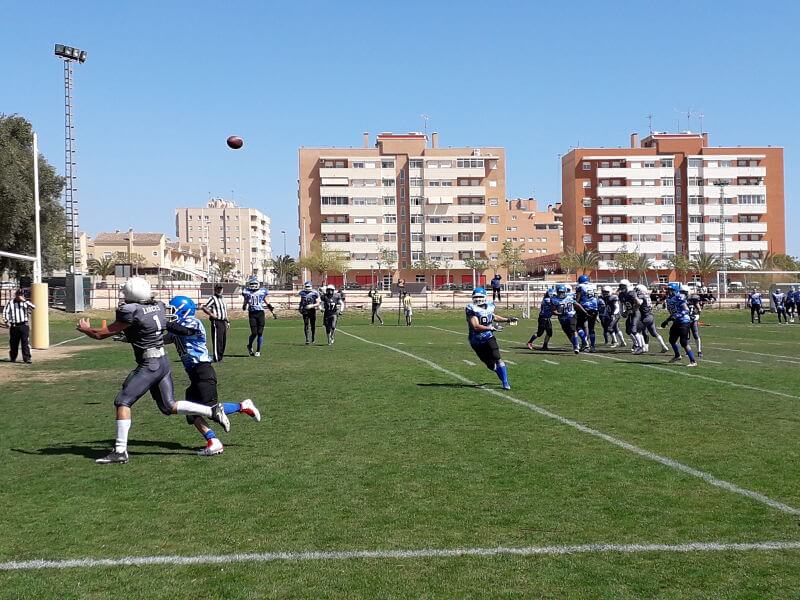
[{"x": 235, "y": 142}]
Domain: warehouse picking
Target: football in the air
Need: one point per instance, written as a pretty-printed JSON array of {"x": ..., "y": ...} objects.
[{"x": 235, "y": 142}]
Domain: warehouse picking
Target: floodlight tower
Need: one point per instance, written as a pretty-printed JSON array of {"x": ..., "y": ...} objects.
[
  {"x": 70, "y": 55},
  {"x": 721, "y": 183}
]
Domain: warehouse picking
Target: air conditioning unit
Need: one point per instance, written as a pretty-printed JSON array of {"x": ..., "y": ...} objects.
[{"x": 476, "y": 152}]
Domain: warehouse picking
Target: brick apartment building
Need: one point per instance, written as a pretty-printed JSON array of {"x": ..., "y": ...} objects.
[{"x": 660, "y": 197}]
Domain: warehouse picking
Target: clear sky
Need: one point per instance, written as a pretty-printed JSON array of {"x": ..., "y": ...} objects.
[{"x": 166, "y": 82}]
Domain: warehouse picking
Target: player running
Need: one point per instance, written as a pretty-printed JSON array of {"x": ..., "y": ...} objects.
[
  {"x": 143, "y": 320},
  {"x": 629, "y": 310},
  {"x": 586, "y": 296},
  {"x": 755, "y": 303},
  {"x": 779, "y": 304},
  {"x": 647, "y": 320},
  {"x": 480, "y": 325},
  {"x": 544, "y": 325},
  {"x": 331, "y": 309},
  {"x": 792, "y": 299},
  {"x": 681, "y": 318},
  {"x": 255, "y": 301},
  {"x": 564, "y": 307},
  {"x": 186, "y": 331},
  {"x": 309, "y": 303}
]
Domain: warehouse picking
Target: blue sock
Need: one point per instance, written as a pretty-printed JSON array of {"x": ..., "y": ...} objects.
[
  {"x": 250, "y": 340},
  {"x": 533, "y": 337},
  {"x": 592, "y": 339},
  {"x": 209, "y": 435},
  {"x": 231, "y": 407},
  {"x": 675, "y": 350},
  {"x": 582, "y": 333},
  {"x": 502, "y": 373},
  {"x": 575, "y": 342},
  {"x": 260, "y": 341},
  {"x": 690, "y": 354}
]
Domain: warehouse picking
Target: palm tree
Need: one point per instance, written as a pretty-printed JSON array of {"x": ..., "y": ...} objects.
[
  {"x": 104, "y": 266},
  {"x": 587, "y": 260},
  {"x": 642, "y": 265},
  {"x": 568, "y": 261},
  {"x": 625, "y": 261},
  {"x": 283, "y": 267},
  {"x": 705, "y": 265},
  {"x": 478, "y": 265},
  {"x": 681, "y": 264}
]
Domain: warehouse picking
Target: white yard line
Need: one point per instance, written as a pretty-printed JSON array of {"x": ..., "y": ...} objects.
[
  {"x": 747, "y": 360},
  {"x": 708, "y": 360},
  {"x": 80, "y": 337},
  {"x": 664, "y": 460},
  {"x": 791, "y": 362},
  {"x": 768, "y": 343},
  {"x": 683, "y": 372},
  {"x": 549, "y": 362},
  {"x": 447, "y": 330},
  {"x": 723, "y": 348},
  {"x": 332, "y": 555},
  {"x": 586, "y": 360},
  {"x": 469, "y": 362},
  {"x": 511, "y": 362}
]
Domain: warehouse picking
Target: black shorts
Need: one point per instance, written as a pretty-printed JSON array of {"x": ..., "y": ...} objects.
[
  {"x": 569, "y": 326},
  {"x": 257, "y": 321},
  {"x": 488, "y": 352},
  {"x": 545, "y": 325},
  {"x": 203, "y": 384},
  {"x": 679, "y": 331}
]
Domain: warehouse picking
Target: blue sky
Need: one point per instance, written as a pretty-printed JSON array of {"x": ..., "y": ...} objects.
[{"x": 166, "y": 82}]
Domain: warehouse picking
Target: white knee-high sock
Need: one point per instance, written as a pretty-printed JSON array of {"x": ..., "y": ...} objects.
[
  {"x": 121, "y": 443},
  {"x": 184, "y": 407}
]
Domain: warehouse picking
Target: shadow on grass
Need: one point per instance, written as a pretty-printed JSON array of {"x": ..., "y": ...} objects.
[
  {"x": 452, "y": 385},
  {"x": 98, "y": 448}
]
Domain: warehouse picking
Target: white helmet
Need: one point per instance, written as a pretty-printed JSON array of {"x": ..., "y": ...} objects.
[
  {"x": 684, "y": 288},
  {"x": 137, "y": 289},
  {"x": 330, "y": 288},
  {"x": 624, "y": 283},
  {"x": 569, "y": 288},
  {"x": 307, "y": 285},
  {"x": 607, "y": 289},
  {"x": 642, "y": 288}
]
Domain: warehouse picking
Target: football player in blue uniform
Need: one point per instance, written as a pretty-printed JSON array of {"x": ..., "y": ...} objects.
[
  {"x": 186, "y": 331},
  {"x": 792, "y": 298},
  {"x": 586, "y": 296},
  {"x": 143, "y": 320},
  {"x": 544, "y": 325},
  {"x": 755, "y": 304},
  {"x": 481, "y": 327},
  {"x": 564, "y": 307},
  {"x": 779, "y": 304},
  {"x": 695, "y": 308},
  {"x": 681, "y": 318},
  {"x": 255, "y": 301},
  {"x": 309, "y": 303}
]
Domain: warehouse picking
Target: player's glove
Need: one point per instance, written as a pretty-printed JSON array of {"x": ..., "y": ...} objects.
[
  {"x": 513, "y": 321},
  {"x": 664, "y": 324}
]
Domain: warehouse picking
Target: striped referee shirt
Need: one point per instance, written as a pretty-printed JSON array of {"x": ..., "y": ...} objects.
[
  {"x": 216, "y": 306},
  {"x": 17, "y": 312}
]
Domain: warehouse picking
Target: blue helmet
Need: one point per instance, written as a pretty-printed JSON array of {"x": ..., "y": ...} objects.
[
  {"x": 253, "y": 283},
  {"x": 550, "y": 291},
  {"x": 561, "y": 289},
  {"x": 479, "y": 295},
  {"x": 183, "y": 306},
  {"x": 583, "y": 279},
  {"x": 674, "y": 288}
]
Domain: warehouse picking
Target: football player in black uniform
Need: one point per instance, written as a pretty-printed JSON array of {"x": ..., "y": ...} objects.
[
  {"x": 309, "y": 303},
  {"x": 331, "y": 309},
  {"x": 144, "y": 320}
]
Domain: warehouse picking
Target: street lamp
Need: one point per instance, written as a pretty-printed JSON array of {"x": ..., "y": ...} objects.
[
  {"x": 721, "y": 183},
  {"x": 284, "y": 242}
]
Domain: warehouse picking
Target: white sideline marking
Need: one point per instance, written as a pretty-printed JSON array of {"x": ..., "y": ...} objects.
[
  {"x": 705, "y": 378},
  {"x": 664, "y": 460},
  {"x": 469, "y": 362},
  {"x": 80, "y": 337},
  {"x": 758, "y": 362},
  {"x": 447, "y": 330},
  {"x": 716, "y": 362},
  {"x": 791, "y": 362},
  {"x": 511, "y": 362},
  {"x": 594, "y": 362},
  {"x": 549, "y": 362},
  {"x": 215, "y": 559},
  {"x": 769, "y": 343},
  {"x": 794, "y": 358}
]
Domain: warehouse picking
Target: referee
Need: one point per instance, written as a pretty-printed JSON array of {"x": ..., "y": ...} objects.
[
  {"x": 218, "y": 314},
  {"x": 16, "y": 315}
]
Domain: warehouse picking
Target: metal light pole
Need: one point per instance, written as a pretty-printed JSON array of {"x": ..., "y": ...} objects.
[
  {"x": 472, "y": 247},
  {"x": 721, "y": 185},
  {"x": 284, "y": 242}
]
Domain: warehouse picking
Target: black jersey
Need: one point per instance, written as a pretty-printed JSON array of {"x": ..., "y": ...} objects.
[
  {"x": 646, "y": 307},
  {"x": 612, "y": 301},
  {"x": 146, "y": 325},
  {"x": 695, "y": 305},
  {"x": 627, "y": 301},
  {"x": 331, "y": 304}
]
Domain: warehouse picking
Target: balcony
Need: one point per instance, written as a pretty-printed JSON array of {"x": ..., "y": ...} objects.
[
  {"x": 732, "y": 172},
  {"x": 356, "y": 228},
  {"x": 730, "y": 209},
  {"x": 637, "y": 210},
  {"x": 639, "y": 247},
  {"x": 633, "y": 173},
  {"x": 355, "y": 247},
  {"x": 358, "y": 210},
  {"x": 634, "y": 191},
  {"x": 632, "y": 228},
  {"x": 454, "y": 228}
]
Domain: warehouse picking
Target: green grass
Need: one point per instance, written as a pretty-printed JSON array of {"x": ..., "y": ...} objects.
[{"x": 363, "y": 448}]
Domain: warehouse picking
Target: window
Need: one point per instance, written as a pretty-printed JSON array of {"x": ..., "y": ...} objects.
[
  {"x": 649, "y": 164},
  {"x": 587, "y": 202},
  {"x": 334, "y": 200},
  {"x": 494, "y": 238},
  {"x": 666, "y": 162},
  {"x": 695, "y": 162},
  {"x": 669, "y": 181},
  {"x": 415, "y": 181},
  {"x": 390, "y": 218},
  {"x": 587, "y": 166},
  {"x": 415, "y": 164},
  {"x": 695, "y": 181},
  {"x": 388, "y": 164},
  {"x": 388, "y": 201},
  {"x": 416, "y": 218},
  {"x": 358, "y": 165},
  {"x": 587, "y": 220},
  {"x": 667, "y": 200},
  {"x": 493, "y": 184},
  {"x": 751, "y": 199},
  {"x": 466, "y": 163},
  {"x": 494, "y": 220},
  {"x": 587, "y": 239},
  {"x": 387, "y": 182},
  {"x": 418, "y": 278},
  {"x": 513, "y": 217},
  {"x": 667, "y": 218},
  {"x": 493, "y": 202},
  {"x": 190, "y": 240},
  {"x": 587, "y": 184},
  {"x": 190, "y": 217}
]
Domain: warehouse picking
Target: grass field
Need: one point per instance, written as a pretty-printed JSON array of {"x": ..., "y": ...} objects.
[{"x": 384, "y": 442}]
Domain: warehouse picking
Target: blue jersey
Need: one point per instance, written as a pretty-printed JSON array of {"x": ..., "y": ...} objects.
[
  {"x": 754, "y": 299},
  {"x": 256, "y": 300},
  {"x": 546, "y": 308},
  {"x": 485, "y": 314},
  {"x": 586, "y": 293},
  {"x": 795, "y": 297},
  {"x": 678, "y": 309},
  {"x": 308, "y": 298},
  {"x": 601, "y": 307},
  {"x": 778, "y": 299},
  {"x": 564, "y": 307},
  {"x": 192, "y": 347}
]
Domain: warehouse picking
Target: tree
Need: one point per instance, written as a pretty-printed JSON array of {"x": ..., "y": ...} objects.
[
  {"x": 426, "y": 264},
  {"x": 386, "y": 257},
  {"x": 478, "y": 265},
  {"x": 511, "y": 258},
  {"x": 705, "y": 265},
  {"x": 447, "y": 263},
  {"x": 568, "y": 261},
  {"x": 625, "y": 261},
  {"x": 134, "y": 259},
  {"x": 587, "y": 260},
  {"x": 284, "y": 268},
  {"x": 681, "y": 264},
  {"x": 17, "y": 224},
  {"x": 642, "y": 265},
  {"x": 784, "y": 262},
  {"x": 224, "y": 269},
  {"x": 322, "y": 259},
  {"x": 103, "y": 267}
]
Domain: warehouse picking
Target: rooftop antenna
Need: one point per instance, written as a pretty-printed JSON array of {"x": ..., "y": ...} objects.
[
  {"x": 700, "y": 115},
  {"x": 650, "y": 122},
  {"x": 425, "y": 118}
]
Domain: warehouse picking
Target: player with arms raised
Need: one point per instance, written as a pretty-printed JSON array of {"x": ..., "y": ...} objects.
[
  {"x": 143, "y": 320},
  {"x": 480, "y": 325}
]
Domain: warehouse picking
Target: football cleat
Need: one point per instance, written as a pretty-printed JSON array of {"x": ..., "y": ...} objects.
[
  {"x": 692, "y": 364},
  {"x": 638, "y": 351},
  {"x": 249, "y": 408},
  {"x": 530, "y": 345},
  {"x": 675, "y": 359},
  {"x": 663, "y": 350},
  {"x": 213, "y": 446},
  {"x": 250, "y": 351},
  {"x": 576, "y": 351},
  {"x": 257, "y": 354},
  {"x": 219, "y": 416},
  {"x": 113, "y": 457},
  {"x": 506, "y": 387},
  {"x": 647, "y": 348}
]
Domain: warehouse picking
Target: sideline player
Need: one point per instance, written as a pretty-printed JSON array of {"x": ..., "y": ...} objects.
[
  {"x": 480, "y": 325},
  {"x": 408, "y": 308},
  {"x": 255, "y": 301},
  {"x": 755, "y": 304},
  {"x": 331, "y": 309},
  {"x": 792, "y": 298},
  {"x": 218, "y": 315},
  {"x": 681, "y": 319},
  {"x": 186, "y": 331},
  {"x": 564, "y": 307},
  {"x": 544, "y": 324},
  {"x": 779, "y": 304},
  {"x": 143, "y": 320},
  {"x": 586, "y": 296},
  {"x": 309, "y": 303}
]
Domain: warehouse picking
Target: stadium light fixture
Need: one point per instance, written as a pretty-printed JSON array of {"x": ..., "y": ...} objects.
[{"x": 70, "y": 53}]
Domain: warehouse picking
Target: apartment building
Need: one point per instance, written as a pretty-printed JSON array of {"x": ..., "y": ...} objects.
[
  {"x": 424, "y": 202},
  {"x": 538, "y": 232},
  {"x": 674, "y": 193},
  {"x": 232, "y": 233}
]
